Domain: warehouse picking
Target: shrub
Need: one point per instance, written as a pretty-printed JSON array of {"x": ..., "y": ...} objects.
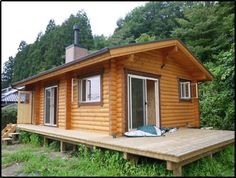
[
  {"x": 35, "y": 139},
  {"x": 24, "y": 137},
  {"x": 8, "y": 116}
]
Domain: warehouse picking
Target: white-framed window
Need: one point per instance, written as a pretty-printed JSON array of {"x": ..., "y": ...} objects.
[
  {"x": 90, "y": 89},
  {"x": 185, "y": 89}
]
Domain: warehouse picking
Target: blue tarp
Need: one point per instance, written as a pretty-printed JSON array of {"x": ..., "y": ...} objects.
[{"x": 149, "y": 131}]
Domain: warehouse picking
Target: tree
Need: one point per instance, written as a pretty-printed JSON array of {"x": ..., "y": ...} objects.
[
  {"x": 154, "y": 19},
  {"x": 144, "y": 38},
  {"x": 217, "y": 97},
  {"x": 207, "y": 29},
  {"x": 48, "y": 50},
  {"x": 22, "y": 46},
  {"x": 8, "y": 72},
  {"x": 51, "y": 26},
  {"x": 39, "y": 36},
  {"x": 100, "y": 41}
]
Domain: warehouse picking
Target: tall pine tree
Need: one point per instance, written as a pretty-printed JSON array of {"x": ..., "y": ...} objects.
[{"x": 8, "y": 72}]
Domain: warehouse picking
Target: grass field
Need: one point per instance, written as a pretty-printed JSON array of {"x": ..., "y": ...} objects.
[{"x": 40, "y": 161}]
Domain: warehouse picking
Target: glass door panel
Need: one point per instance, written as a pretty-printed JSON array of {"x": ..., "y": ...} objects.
[
  {"x": 151, "y": 103},
  {"x": 47, "y": 106},
  {"x": 55, "y": 107},
  {"x": 143, "y": 101},
  {"x": 50, "y": 105},
  {"x": 138, "y": 102}
]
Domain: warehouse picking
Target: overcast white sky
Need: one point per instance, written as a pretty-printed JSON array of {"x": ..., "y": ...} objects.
[{"x": 24, "y": 20}]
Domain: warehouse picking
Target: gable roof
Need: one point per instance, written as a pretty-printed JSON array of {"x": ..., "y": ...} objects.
[{"x": 112, "y": 52}]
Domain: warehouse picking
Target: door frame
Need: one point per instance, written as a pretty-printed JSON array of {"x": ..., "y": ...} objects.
[
  {"x": 55, "y": 109},
  {"x": 144, "y": 77}
]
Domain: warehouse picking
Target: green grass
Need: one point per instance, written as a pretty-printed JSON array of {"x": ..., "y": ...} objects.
[{"x": 110, "y": 163}]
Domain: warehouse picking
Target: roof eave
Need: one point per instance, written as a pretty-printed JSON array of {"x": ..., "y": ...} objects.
[
  {"x": 121, "y": 51},
  {"x": 85, "y": 58}
]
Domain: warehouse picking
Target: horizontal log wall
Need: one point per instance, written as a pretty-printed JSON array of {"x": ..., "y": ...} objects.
[
  {"x": 92, "y": 118},
  {"x": 61, "y": 110},
  {"x": 173, "y": 112},
  {"x": 101, "y": 119},
  {"x": 62, "y": 104},
  {"x": 41, "y": 105}
]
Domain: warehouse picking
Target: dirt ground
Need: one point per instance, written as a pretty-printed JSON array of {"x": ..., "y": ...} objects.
[
  {"x": 12, "y": 170},
  {"x": 15, "y": 168}
]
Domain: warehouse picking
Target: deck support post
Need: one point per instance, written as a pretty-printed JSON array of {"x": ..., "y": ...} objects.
[
  {"x": 74, "y": 148},
  {"x": 210, "y": 156},
  {"x": 62, "y": 147},
  {"x": 175, "y": 167},
  {"x": 45, "y": 141},
  {"x": 131, "y": 157}
]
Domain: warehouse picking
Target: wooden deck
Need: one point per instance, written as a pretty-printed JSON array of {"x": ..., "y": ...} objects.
[{"x": 178, "y": 148}]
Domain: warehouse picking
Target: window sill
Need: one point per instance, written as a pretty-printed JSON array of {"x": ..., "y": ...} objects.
[
  {"x": 49, "y": 125},
  {"x": 185, "y": 100},
  {"x": 90, "y": 104}
]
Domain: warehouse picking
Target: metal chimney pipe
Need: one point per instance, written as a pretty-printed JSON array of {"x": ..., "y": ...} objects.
[{"x": 76, "y": 34}]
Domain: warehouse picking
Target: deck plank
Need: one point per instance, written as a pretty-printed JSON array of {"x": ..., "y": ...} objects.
[{"x": 175, "y": 147}]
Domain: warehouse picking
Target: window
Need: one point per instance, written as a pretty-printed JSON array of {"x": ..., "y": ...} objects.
[
  {"x": 25, "y": 98},
  {"x": 90, "y": 89},
  {"x": 185, "y": 90}
]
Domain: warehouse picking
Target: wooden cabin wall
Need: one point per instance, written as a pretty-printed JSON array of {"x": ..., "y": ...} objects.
[
  {"x": 110, "y": 117},
  {"x": 173, "y": 112},
  {"x": 61, "y": 114},
  {"x": 41, "y": 105},
  {"x": 120, "y": 105},
  {"x": 89, "y": 118},
  {"x": 37, "y": 95},
  {"x": 117, "y": 105},
  {"x": 92, "y": 118},
  {"x": 113, "y": 98}
]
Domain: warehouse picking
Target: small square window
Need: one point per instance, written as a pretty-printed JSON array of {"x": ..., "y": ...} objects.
[
  {"x": 90, "y": 89},
  {"x": 185, "y": 90},
  {"x": 25, "y": 98}
]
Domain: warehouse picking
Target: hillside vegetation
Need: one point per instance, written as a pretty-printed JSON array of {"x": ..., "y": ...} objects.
[{"x": 207, "y": 28}]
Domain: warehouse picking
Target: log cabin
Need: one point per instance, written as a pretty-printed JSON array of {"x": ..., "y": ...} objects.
[{"x": 116, "y": 89}]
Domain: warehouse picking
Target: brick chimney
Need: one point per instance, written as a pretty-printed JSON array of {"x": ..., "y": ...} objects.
[{"x": 75, "y": 51}]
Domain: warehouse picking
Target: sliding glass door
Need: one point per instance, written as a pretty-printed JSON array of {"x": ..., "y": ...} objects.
[
  {"x": 137, "y": 100},
  {"x": 50, "y": 106},
  {"x": 143, "y": 101}
]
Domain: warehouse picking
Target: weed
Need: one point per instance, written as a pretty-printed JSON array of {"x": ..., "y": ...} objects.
[
  {"x": 111, "y": 163},
  {"x": 24, "y": 137},
  {"x": 19, "y": 156},
  {"x": 54, "y": 145},
  {"x": 35, "y": 139},
  {"x": 84, "y": 151}
]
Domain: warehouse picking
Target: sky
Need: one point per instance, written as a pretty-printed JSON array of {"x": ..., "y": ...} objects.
[{"x": 24, "y": 20}]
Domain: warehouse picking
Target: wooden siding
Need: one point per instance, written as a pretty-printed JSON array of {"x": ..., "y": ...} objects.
[
  {"x": 41, "y": 106},
  {"x": 68, "y": 103},
  {"x": 62, "y": 104},
  {"x": 92, "y": 118},
  {"x": 173, "y": 112},
  {"x": 110, "y": 117},
  {"x": 37, "y": 105}
]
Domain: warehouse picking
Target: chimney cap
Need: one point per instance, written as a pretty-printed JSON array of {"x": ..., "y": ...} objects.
[{"x": 76, "y": 27}]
